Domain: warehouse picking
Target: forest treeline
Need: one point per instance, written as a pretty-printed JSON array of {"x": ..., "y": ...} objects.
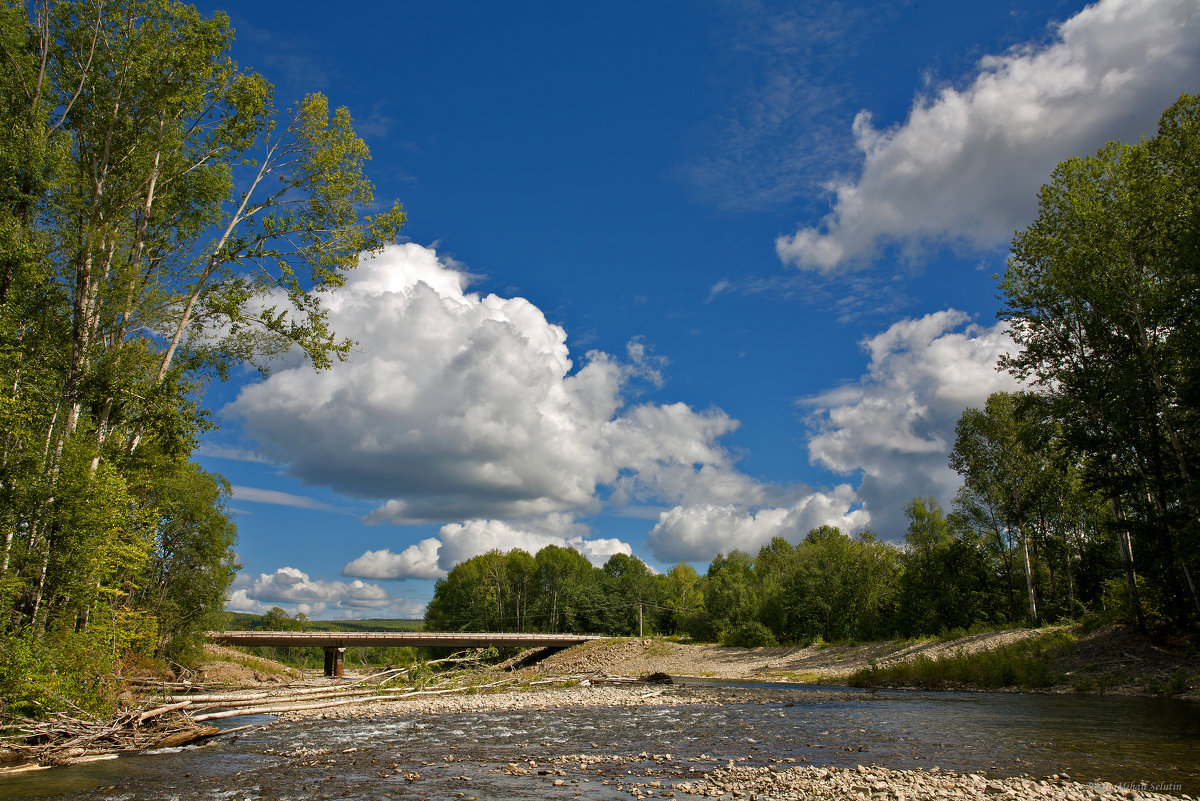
[
  {"x": 161, "y": 221},
  {"x": 950, "y": 574},
  {"x": 1079, "y": 495}
]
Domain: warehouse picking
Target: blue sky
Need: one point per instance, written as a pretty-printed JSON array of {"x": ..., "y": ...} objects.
[{"x": 677, "y": 278}]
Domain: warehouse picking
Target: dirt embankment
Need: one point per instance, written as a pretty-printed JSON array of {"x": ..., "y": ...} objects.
[
  {"x": 226, "y": 666},
  {"x": 1111, "y": 659}
]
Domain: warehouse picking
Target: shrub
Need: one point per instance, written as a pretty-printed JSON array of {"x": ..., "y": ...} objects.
[
  {"x": 749, "y": 635},
  {"x": 1027, "y": 664}
]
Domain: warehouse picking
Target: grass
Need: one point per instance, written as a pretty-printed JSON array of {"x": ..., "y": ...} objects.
[
  {"x": 657, "y": 648},
  {"x": 1027, "y": 664},
  {"x": 1176, "y": 684},
  {"x": 261, "y": 664},
  {"x": 804, "y": 677}
]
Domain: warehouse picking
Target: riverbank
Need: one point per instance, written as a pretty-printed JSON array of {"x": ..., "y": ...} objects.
[
  {"x": 597, "y": 674},
  {"x": 490, "y": 735},
  {"x": 1111, "y": 659}
]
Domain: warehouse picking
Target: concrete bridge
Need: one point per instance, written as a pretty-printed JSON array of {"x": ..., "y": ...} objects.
[{"x": 335, "y": 642}]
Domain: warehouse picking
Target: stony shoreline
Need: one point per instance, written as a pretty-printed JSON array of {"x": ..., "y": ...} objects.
[
  {"x": 813, "y": 783},
  {"x": 548, "y": 697},
  {"x": 671, "y": 778}
]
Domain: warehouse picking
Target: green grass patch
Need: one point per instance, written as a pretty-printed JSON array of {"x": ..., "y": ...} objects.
[
  {"x": 1027, "y": 664},
  {"x": 1176, "y": 684},
  {"x": 260, "y": 663}
]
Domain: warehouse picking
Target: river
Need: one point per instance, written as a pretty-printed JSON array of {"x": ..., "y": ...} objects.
[{"x": 596, "y": 752}]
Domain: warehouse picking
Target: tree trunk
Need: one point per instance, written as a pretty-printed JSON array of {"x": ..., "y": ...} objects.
[
  {"x": 1033, "y": 613},
  {"x": 1187, "y": 576},
  {"x": 1126, "y": 547}
]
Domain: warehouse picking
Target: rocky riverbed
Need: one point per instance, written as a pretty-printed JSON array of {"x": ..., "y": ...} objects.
[
  {"x": 667, "y": 774},
  {"x": 606, "y": 742}
]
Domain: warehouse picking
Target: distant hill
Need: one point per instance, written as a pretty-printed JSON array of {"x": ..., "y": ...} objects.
[{"x": 244, "y": 621}]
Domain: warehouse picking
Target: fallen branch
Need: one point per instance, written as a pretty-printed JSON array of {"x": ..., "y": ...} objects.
[
  {"x": 153, "y": 713},
  {"x": 214, "y": 697},
  {"x": 282, "y": 699}
]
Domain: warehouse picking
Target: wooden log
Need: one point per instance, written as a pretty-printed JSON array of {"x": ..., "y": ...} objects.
[
  {"x": 189, "y": 736},
  {"x": 204, "y": 697},
  {"x": 162, "y": 710},
  {"x": 390, "y": 695},
  {"x": 275, "y": 709},
  {"x": 283, "y": 699}
]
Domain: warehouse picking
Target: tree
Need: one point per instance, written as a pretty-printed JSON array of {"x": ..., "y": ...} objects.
[
  {"x": 945, "y": 583},
  {"x": 843, "y": 587},
  {"x": 160, "y": 222},
  {"x": 731, "y": 592},
  {"x": 998, "y": 457},
  {"x": 773, "y": 567},
  {"x": 520, "y": 577},
  {"x": 192, "y": 562},
  {"x": 461, "y": 600},
  {"x": 629, "y": 589},
  {"x": 565, "y": 582},
  {"x": 684, "y": 598},
  {"x": 1100, "y": 293}
]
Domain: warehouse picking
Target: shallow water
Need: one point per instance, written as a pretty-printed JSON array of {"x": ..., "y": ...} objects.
[{"x": 1114, "y": 739}]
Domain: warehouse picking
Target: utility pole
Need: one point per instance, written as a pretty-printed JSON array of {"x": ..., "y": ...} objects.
[{"x": 640, "y": 605}]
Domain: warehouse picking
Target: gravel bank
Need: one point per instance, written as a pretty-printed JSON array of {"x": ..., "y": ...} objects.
[
  {"x": 810, "y": 783},
  {"x": 551, "y": 697},
  {"x": 1111, "y": 660}
]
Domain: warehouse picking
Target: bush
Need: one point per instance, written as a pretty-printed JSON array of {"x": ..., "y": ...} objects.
[
  {"x": 1027, "y": 664},
  {"x": 700, "y": 628},
  {"x": 749, "y": 635},
  {"x": 63, "y": 672},
  {"x": 1117, "y": 601}
]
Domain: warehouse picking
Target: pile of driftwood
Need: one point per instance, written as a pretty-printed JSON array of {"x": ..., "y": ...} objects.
[{"x": 62, "y": 739}]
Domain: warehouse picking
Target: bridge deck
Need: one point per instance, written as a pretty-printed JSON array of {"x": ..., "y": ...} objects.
[
  {"x": 396, "y": 639},
  {"x": 336, "y": 642}
]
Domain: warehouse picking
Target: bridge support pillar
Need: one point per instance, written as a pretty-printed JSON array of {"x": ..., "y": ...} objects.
[{"x": 334, "y": 660}]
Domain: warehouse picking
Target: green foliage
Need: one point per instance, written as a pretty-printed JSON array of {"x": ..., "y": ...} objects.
[
  {"x": 1100, "y": 293},
  {"x": 68, "y": 671},
  {"x": 841, "y": 588},
  {"x": 830, "y": 586},
  {"x": 683, "y": 596},
  {"x": 1118, "y": 603},
  {"x": 160, "y": 222},
  {"x": 950, "y": 580},
  {"x": 1028, "y": 664},
  {"x": 192, "y": 562},
  {"x": 731, "y": 592},
  {"x": 750, "y": 634}
]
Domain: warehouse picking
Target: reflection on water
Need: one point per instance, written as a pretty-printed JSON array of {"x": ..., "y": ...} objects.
[{"x": 1089, "y": 738}]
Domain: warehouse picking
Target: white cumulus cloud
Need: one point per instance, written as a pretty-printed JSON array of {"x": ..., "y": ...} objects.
[
  {"x": 434, "y": 557},
  {"x": 418, "y": 561},
  {"x": 966, "y": 164},
  {"x": 699, "y": 532},
  {"x": 459, "y": 406},
  {"x": 294, "y": 590},
  {"x": 896, "y": 423}
]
